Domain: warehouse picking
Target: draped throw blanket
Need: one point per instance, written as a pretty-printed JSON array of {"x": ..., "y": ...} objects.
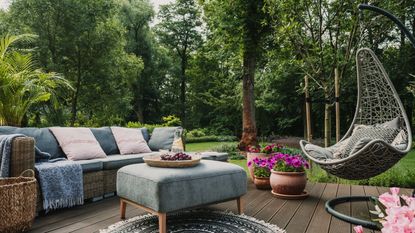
[
  {"x": 6, "y": 153},
  {"x": 61, "y": 184}
]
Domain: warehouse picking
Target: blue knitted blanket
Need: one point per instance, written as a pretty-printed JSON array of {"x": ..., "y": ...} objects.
[{"x": 61, "y": 184}]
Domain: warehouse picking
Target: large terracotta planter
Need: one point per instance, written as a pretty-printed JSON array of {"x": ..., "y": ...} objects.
[
  {"x": 289, "y": 184},
  {"x": 249, "y": 157},
  {"x": 262, "y": 182}
]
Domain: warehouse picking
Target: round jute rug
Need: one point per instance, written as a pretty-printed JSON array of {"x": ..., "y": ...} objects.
[{"x": 195, "y": 222}]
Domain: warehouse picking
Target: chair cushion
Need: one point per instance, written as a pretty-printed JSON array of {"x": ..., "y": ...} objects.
[
  {"x": 401, "y": 138},
  {"x": 78, "y": 143},
  {"x": 118, "y": 161},
  {"x": 162, "y": 138},
  {"x": 130, "y": 140},
  {"x": 44, "y": 139},
  {"x": 318, "y": 152},
  {"x": 106, "y": 139},
  {"x": 170, "y": 189},
  {"x": 92, "y": 165},
  {"x": 373, "y": 132}
]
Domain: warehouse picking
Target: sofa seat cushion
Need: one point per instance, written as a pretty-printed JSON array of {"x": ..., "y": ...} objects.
[
  {"x": 212, "y": 155},
  {"x": 118, "y": 161},
  {"x": 92, "y": 165},
  {"x": 171, "y": 189}
]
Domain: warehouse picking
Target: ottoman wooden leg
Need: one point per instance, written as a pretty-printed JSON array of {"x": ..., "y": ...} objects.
[
  {"x": 162, "y": 222},
  {"x": 123, "y": 206},
  {"x": 240, "y": 205}
]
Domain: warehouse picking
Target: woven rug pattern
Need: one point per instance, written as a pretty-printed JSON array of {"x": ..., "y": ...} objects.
[{"x": 195, "y": 222}]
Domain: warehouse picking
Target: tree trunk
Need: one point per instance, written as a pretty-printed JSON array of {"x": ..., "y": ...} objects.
[
  {"x": 183, "y": 90},
  {"x": 249, "y": 130},
  {"x": 327, "y": 121},
  {"x": 75, "y": 96}
]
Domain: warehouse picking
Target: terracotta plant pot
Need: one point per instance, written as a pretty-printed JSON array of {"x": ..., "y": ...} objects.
[
  {"x": 249, "y": 157},
  {"x": 262, "y": 182},
  {"x": 288, "y": 183}
]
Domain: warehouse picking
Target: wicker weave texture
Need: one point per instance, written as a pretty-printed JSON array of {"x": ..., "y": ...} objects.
[
  {"x": 23, "y": 155},
  {"x": 110, "y": 181},
  {"x": 377, "y": 102},
  {"x": 17, "y": 203},
  {"x": 93, "y": 184}
]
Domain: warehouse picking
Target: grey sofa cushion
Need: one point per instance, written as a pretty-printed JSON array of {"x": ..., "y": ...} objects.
[
  {"x": 118, "y": 161},
  {"x": 162, "y": 138},
  {"x": 44, "y": 139},
  {"x": 92, "y": 165},
  {"x": 145, "y": 133},
  {"x": 170, "y": 189},
  {"x": 216, "y": 156},
  {"x": 106, "y": 140}
]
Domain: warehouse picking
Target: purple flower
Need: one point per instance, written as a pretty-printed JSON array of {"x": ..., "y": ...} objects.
[{"x": 250, "y": 163}]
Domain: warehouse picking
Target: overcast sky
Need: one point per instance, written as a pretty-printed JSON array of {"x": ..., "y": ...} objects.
[{"x": 156, "y": 3}]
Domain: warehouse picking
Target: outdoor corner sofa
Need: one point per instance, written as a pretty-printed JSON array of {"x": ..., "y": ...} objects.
[{"x": 99, "y": 175}]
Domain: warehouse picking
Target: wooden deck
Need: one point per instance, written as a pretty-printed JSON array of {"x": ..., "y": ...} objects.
[{"x": 295, "y": 216}]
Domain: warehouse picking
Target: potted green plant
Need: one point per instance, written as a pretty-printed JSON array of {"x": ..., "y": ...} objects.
[
  {"x": 260, "y": 153},
  {"x": 288, "y": 178},
  {"x": 262, "y": 172}
]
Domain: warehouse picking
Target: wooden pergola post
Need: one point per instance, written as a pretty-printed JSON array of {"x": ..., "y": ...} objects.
[
  {"x": 308, "y": 109},
  {"x": 337, "y": 96}
]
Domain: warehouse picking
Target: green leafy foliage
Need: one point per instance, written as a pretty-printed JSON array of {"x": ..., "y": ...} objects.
[{"x": 22, "y": 84}]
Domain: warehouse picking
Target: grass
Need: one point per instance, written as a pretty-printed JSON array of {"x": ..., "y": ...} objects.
[
  {"x": 400, "y": 175},
  {"x": 206, "y": 146}
]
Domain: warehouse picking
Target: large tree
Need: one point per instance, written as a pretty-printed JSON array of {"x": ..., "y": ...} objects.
[
  {"x": 85, "y": 41},
  {"x": 180, "y": 30},
  {"x": 242, "y": 27}
]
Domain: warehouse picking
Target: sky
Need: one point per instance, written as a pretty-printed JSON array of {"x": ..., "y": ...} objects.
[{"x": 5, "y": 3}]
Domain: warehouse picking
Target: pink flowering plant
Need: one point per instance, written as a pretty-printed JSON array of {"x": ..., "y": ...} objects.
[
  {"x": 262, "y": 167},
  {"x": 268, "y": 149},
  {"x": 394, "y": 213},
  {"x": 289, "y": 162}
]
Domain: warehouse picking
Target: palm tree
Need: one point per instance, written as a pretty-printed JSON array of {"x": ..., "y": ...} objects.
[{"x": 22, "y": 84}]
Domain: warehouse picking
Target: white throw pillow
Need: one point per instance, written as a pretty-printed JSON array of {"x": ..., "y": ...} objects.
[
  {"x": 130, "y": 141},
  {"x": 401, "y": 138},
  {"x": 78, "y": 143}
]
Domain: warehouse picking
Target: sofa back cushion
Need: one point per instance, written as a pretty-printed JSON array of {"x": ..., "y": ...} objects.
[
  {"x": 106, "y": 139},
  {"x": 130, "y": 140},
  {"x": 162, "y": 138},
  {"x": 78, "y": 143},
  {"x": 145, "y": 133},
  {"x": 44, "y": 139}
]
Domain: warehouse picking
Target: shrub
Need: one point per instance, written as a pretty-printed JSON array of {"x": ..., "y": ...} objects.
[
  {"x": 171, "y": 120},
  {"x": 211, "y": 138},
  {"x": 231, "y": 149},
  {"x": 136, "y": 124}
]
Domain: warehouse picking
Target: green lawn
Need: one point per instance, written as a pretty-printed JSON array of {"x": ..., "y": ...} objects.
[
  {"x": 205, "y": 146},
  {"x": 401, "y": 175}
]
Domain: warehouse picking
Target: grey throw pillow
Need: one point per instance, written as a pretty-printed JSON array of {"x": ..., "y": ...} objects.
[
  {"x": 394, "y": 123},
  {"x": 373, "y": 132},
  {"x": 360, "y": 144},
  {"x": 318, "y": 152},
  {"x": 162, "y": 138}
]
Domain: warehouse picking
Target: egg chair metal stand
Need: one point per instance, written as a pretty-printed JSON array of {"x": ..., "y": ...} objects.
[{"x": 377, "y": 103}]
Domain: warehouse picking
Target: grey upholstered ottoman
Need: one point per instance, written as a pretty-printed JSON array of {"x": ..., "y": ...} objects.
[{"x": 163, "y": 190}]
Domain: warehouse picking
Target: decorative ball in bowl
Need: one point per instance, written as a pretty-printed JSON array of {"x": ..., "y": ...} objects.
[{"x": 172, "y": 160}]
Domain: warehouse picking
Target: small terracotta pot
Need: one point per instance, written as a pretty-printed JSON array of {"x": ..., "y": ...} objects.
[
  {"x": 251, "y": 156},
  {"x": 288, "y": 183},
  {"x": 262, "y": 182}
]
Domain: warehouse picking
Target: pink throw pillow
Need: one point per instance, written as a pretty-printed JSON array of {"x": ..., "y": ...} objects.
[
  {"x": 130, "y": 141},
  {"x": 78, "y": 143}
]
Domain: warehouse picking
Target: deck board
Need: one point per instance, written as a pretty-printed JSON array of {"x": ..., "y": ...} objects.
[{"x": 295, "y": 216}]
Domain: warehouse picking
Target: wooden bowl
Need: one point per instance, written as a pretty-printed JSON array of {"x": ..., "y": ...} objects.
[{"x": 155, "y": 161}]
